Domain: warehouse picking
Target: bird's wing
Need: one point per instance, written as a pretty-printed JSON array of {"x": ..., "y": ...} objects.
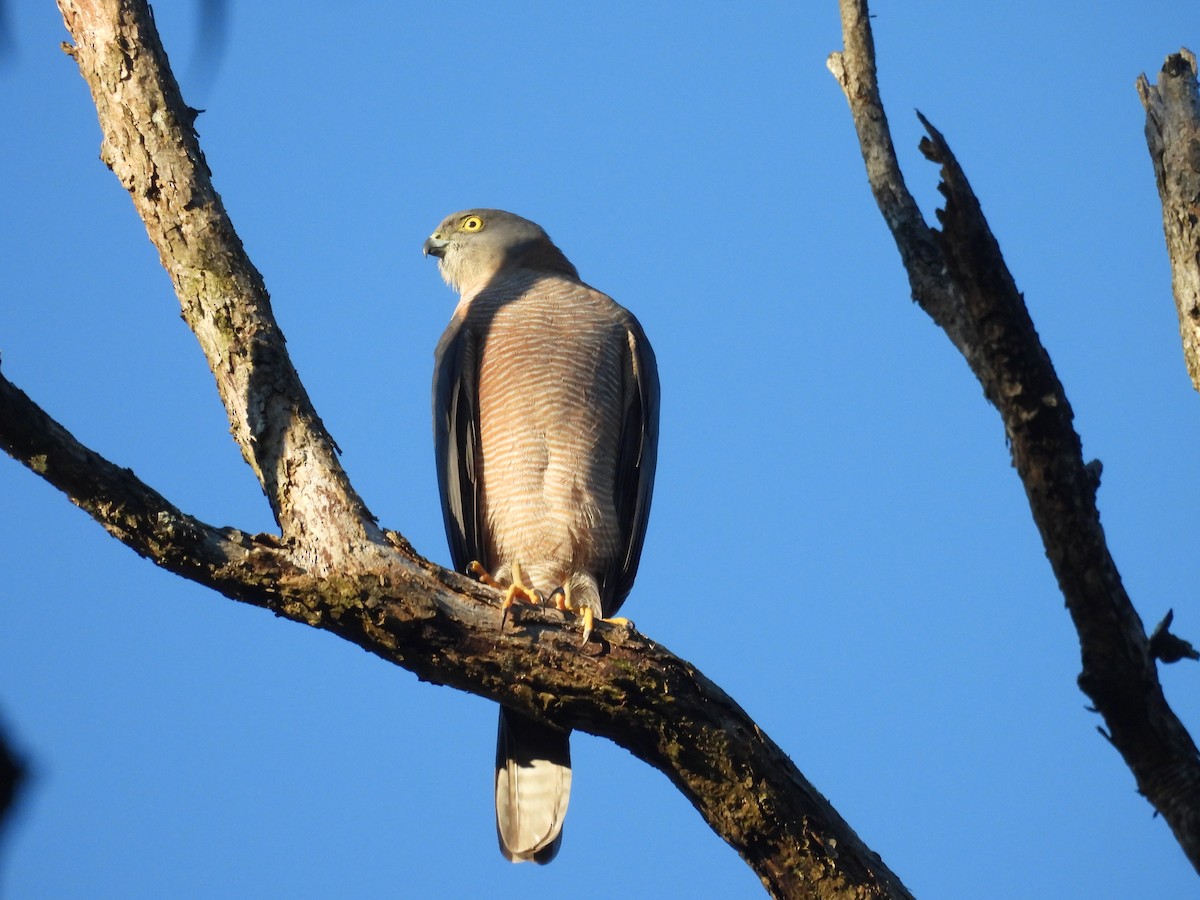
[
  {"x": 636, "y": 461},
  {"x": 456, "y": 442}
]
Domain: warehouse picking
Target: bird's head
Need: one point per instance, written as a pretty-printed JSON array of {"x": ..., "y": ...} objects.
[{"x": 475, "y": 245}]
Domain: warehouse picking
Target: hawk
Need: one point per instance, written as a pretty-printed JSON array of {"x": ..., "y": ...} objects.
[{"x": 545, "y": 421}]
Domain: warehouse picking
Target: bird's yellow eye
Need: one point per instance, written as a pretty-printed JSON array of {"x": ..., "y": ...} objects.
[{"x": 471, "y": 223}]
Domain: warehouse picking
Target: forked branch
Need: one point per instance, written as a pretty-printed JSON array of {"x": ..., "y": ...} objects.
[
  {"x": 959, "y": 277},
  {"x": 152, "y": 148},
  {"x": 334, "y": 569}
]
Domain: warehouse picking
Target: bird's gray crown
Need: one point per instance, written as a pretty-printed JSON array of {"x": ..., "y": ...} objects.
[{"x": 475, "y": 245}]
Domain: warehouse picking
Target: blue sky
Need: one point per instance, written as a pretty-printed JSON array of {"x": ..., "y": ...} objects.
[{"x": 838, "y": 538}]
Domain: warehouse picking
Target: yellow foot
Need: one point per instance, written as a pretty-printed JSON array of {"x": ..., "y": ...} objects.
[
  {"x": 475, "y": 567},
  {"x": 589, "y": 621},
  {"x": 516, "y": 592},
  {"x": 562, "y": 600},
  {"x": 561, "y": 597}
]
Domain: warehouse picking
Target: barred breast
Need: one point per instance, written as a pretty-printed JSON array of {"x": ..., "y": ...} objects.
[{"x": 550, "y": 400}]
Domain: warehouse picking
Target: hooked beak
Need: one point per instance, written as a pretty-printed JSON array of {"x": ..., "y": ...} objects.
[{"x": 435, "y": 245}]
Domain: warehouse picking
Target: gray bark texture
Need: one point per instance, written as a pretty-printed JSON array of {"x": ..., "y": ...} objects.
[
  {"x": 958, "y": 276},
  {"x": 1173, "y": 137},
  {"x": 332, "y": 567}
]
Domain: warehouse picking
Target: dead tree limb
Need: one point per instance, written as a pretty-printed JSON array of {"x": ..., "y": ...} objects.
[
  {"x": 958, "y": 276},
  {"x": 1173, "y": 137},
  {"x": 333, "y": 568}
]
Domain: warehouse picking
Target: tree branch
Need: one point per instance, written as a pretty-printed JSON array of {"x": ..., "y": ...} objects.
[
  {"x": 335, "y": 570},
  {"x": 959, "y": 277},
  {"x": 854, "y": 69},
  {"x": 135, "y": 514},
  {"x": 152, "y": 148},
  {"x": 1173, "y": 136},
  {"x": 445, "y": 629}
]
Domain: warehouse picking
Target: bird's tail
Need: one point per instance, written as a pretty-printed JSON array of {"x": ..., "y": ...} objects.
[{"x": 533, "y": 785}]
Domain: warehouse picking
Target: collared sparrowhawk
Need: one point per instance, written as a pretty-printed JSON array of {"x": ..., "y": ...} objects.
[{"x": 545, "y": 422}]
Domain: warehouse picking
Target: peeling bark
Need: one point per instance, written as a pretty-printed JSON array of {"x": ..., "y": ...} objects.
[
  {"x": 1173, "y": 136},
  {"x": 959, "y": 277}
]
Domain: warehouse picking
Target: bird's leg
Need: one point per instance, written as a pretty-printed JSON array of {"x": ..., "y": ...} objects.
[
  {"x": 475, "y": 567},
  {"x": 562, "y": 600},
  {"x": 589, "y": 616},
  {"x": 517, "y": 591},
  {"x": 589, "y": 621},
  {"x": 561, "y": 597}
]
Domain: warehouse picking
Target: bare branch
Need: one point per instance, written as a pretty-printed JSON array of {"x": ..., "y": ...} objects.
[
  {"x": 1173, "y": 136},
  {"x": 854, "y": 69},
  {"x": 959, "y": 276},
  {"x": 445, "y": 629},
  {"x": 132, "y": 512},
  {"x": 151, "y": 146}
]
